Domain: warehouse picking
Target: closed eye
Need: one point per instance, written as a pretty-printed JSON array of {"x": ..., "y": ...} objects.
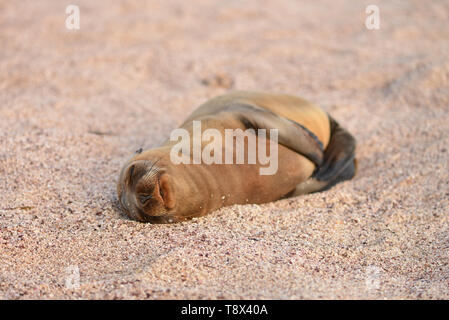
[{"x": 143, "y": 198}]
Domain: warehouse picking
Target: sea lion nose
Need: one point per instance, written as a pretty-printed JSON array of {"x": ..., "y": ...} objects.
[
  {"x": 123, "y": 200},
  {"x": 129, "y": 206}
]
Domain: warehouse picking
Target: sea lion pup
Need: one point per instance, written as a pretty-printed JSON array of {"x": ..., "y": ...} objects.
[{"x": 314, "y": 153}]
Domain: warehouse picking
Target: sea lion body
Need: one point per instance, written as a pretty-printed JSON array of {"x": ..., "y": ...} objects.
[{"x": 152, "y": 188}]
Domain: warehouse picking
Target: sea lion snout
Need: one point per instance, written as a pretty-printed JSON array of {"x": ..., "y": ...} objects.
[{"x": 145, "y": 190}]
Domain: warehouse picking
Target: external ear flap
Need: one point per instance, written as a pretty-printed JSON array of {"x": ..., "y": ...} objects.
[
  {"x": 131, "y": 174},
  {"x": 166, "y": 188}
]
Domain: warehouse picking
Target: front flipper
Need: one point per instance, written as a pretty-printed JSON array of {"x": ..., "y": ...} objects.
[{"x": 290, "y": 133}]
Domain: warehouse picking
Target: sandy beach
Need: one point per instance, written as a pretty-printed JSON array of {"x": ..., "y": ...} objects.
[{"x": 76, "y": 104}]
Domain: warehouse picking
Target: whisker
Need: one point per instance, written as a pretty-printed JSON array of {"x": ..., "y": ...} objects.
[{"x": 152, "y": 172}]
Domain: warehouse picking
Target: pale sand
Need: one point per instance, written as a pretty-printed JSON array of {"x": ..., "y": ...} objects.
[{"x": 74, "y": 105}]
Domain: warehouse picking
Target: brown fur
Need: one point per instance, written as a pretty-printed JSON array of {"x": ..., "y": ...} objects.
[{"x": 173, "y": 193}]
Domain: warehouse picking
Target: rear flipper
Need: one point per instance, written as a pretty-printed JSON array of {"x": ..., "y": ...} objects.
[{"x": 339, "y": 162}]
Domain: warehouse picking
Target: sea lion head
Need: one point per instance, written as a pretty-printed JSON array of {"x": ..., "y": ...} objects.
[{"x": 145, "y": 191}]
